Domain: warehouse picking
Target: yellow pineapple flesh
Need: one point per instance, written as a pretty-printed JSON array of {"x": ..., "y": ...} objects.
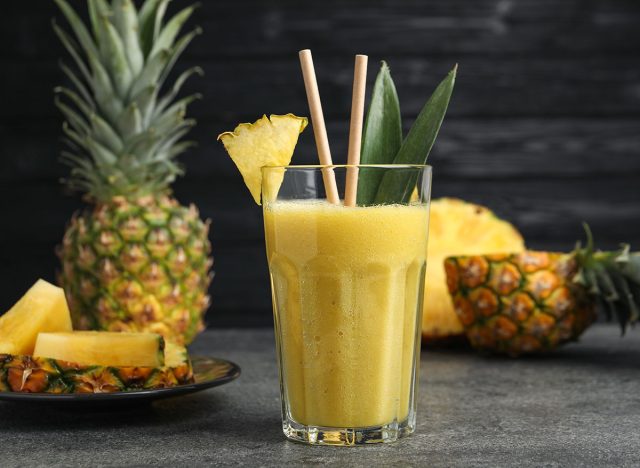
[
  {"x": 458, "y": 228},
  {"x": 42, "y": 309},
  {"x": 103, "y": 348},
  {"x": 266, "y": 142}
]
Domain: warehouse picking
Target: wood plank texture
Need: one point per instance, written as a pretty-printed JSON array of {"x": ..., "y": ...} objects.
[
  {"x": 544, "y": 124},
  {"x": 508, "y": 86},
  {"x": 466, "y": 148},
  {"x": 250, "y": 28}
]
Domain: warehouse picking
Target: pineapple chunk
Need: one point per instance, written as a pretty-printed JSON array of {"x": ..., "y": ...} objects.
[
  {"x": 267, "y": 142},
  {"x": 42, "y": 309},
  {"x": 103, "y": 348},
  {"x": 458, "y": 228}
]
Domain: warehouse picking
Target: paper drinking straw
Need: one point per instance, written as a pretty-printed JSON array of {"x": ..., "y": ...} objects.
[
  {"x": 355, "y": 128},
  {"x": 319, "y": 128}
]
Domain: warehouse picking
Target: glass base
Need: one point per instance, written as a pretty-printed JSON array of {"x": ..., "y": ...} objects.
[{"x": 320, "y": 435}]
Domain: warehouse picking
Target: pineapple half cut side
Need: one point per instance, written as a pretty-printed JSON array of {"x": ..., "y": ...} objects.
[{"x": 457, "y": 227}]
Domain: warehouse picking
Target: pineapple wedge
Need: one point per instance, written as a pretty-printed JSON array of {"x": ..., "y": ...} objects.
[
  {"x": 266, "y": 142},
  {"x": 42, "y": 309},
  {"x": 116, "y": 349}
]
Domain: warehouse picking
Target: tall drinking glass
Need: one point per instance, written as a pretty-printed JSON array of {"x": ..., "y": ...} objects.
[{"x": 347, "y": 287}]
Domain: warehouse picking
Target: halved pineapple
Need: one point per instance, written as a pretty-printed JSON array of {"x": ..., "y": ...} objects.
[
  {"x": 458, "y": 228},
  {"x": 266, "y": 142},
  {"x": 103, "y": 348},
  {"x": 42, "y": 309}
]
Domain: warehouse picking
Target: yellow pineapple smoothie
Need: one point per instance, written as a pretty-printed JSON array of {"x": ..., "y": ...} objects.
[{"x": 347, "y": 291}]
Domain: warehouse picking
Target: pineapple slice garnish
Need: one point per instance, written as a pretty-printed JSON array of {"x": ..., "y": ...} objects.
[{"x": 266, "y": 142}]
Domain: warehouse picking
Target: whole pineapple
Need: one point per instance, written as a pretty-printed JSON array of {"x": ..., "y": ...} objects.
[
  {"x": 534, "y": 301},
  {"x": 138, "y": 260}
]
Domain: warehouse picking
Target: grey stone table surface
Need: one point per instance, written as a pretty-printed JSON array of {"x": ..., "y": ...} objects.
[{"x": 577, "y": 407}]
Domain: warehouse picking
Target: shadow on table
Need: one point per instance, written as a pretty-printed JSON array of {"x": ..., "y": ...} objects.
[
  {"x": 610, "y": 359},
  {"x": 22, "y": 415},
  {"x": 626, "y": 357},
  {"x": 209, "y": 411}
]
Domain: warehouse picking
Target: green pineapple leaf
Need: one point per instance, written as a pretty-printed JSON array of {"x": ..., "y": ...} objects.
[
  {"x": 177, "y": 50},
  {"x": 604, "y": 285},
  {"x": 102, "y": 156},
  {"x": 72, "y": 48},
  {"x": 396, "y": 186},
  {"x": 105, "y": 134},
  {"x": 75, "y": 120},
  {"x": 627, "y": 305},
  {"x": 130, "y": 121},
  {"x": 125, "y": 20},
  {"x": 629, "y": 263},
  {"x": 78, "y": 140},
  {"x": 171, "y": 95},
  {"x": 82, "y": 89},
  {"x": 157, "y": 21},
  {"x": 99, "y": 12},
  {"x": 613, "y": 278},
  {"x": 150, "y": 20},
  {"x": 150, "y": 73},
  {"x": 170, "y": 31},
  {"x": 85, "y": 39},
  {"x": 143, "y": 143},
  {"x": 177, "y": 134},
  {"x": 179, "y": 107},
  {"x": 86, "y": 108},
  {"x": 382, "y": 136},
  {"x": 180, "y": 148},
  {"x": 119, "y": 65},
  {"x": 146, "y": 100},
  {"x": 98, "y": 9}
]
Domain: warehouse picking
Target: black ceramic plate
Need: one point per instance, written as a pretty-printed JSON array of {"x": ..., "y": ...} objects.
[{"x": 208, "y": 372}]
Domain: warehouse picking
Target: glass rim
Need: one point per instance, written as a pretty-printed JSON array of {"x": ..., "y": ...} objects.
[{"x": 347, "y": 166}]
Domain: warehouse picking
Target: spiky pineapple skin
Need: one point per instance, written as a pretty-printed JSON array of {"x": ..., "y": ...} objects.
[
  {"x": 27, "y": 374},
  {"x": 138, "y": 265},
  {"x": 519, "y": 303}
]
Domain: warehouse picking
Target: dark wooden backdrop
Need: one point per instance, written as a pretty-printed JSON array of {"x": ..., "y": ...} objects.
[{"x": 544, "y": 125}]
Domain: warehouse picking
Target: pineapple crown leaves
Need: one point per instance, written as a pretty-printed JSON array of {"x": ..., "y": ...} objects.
[
  {"x": 123, "y": 129},
  {"x": 612, "y": 277}
]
